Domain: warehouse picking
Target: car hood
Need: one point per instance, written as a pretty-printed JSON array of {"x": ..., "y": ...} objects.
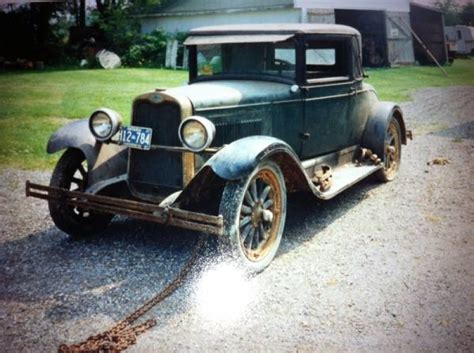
[{"x": 233, "y": 93}]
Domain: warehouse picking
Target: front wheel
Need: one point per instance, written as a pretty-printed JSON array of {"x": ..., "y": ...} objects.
[
  {"x": 71, "y": 174},
  {"x": 392, "y": 152},
  {"x": 254, "y": 211}
]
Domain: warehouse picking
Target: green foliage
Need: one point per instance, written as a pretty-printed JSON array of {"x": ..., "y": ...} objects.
[
  {"x": 148, "y": 51},
  {"x": 454, "y": 14},
  {"x": 34, "y": 32},
  {"x": 467, "y": 14},
  {"x": 123, "y": 36},
  {"x": 450, "y": 8},
  {"x": 120, "y": 30}
]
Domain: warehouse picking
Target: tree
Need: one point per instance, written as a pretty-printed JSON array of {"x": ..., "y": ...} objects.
[
  {"x": 450, "y": 8},
  {"x": 34, "y": 36},
  {"x": 115, "y": 18},
  {"x": 467, "y": 14}
]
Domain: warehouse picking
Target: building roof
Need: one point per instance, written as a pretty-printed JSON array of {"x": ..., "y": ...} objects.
[
  {"x": 277, "y": 28},
  {"x": 196, "y": 7},
  {"x": 425, "y": 7}
]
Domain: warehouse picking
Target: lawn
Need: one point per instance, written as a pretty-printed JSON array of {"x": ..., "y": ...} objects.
[
  {"x": 396, "y": 84},
  {"x": 34, "y": 104}
]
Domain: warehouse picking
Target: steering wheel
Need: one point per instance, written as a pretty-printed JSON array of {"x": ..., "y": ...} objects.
[{"x": 282, "y": 64}]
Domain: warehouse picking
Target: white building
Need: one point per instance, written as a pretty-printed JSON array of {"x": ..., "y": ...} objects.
[{"x": 384, "y": 24}]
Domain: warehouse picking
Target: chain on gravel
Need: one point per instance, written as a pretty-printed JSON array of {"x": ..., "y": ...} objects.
[{"x": 124, "y": 333}]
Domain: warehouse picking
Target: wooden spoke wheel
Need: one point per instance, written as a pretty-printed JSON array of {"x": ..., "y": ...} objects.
[
  {"x": 254, "y": 211},
  {"x": 392, "y": 152},
  {"x": 71, "y": 174}
]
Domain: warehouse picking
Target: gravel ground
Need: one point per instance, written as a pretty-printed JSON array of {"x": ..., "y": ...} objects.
[{"x": 383, "y": 267}]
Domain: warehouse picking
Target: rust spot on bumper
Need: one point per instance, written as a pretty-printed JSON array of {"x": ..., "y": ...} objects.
[{"x": 139, "y": 210}]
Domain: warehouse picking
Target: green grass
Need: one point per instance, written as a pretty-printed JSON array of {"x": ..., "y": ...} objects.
[
  {"x": 396, "y": 84},
  {"x": 34, "y": 104}
]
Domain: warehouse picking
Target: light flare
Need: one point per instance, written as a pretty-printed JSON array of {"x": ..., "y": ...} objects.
[{"x": 224, "y": 294}]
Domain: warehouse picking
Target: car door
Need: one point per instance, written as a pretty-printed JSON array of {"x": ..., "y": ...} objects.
[{"x": 327, "y": 95}]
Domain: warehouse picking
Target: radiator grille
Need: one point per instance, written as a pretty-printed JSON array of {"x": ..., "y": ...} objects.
[{"x": 152, "y": 172}]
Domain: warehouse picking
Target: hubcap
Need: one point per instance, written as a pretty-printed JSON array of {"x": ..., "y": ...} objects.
[{"x": 260, "y": 215}]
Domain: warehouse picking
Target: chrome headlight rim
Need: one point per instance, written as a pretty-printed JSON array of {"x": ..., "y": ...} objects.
[
  {"x": 115, "y": 122},
  {"x": 209, "y": 128}
]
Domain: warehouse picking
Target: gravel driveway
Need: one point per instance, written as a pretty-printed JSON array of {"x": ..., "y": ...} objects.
[{"x": 383, "y": 267}]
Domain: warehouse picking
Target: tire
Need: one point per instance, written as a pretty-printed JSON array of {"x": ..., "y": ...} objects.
[
  {"x": 254, "y": 212},
  {"x": 392, "y": 152},
  {"x": 70, "y": 173}
]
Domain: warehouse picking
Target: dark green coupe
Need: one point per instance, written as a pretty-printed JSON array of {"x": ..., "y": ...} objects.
[{"x": 269, "y": 109}]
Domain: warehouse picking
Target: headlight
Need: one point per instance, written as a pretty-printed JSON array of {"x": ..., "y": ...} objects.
[
  {"x": 196, "y": 133},
  {"x": 104, "y": 123}
]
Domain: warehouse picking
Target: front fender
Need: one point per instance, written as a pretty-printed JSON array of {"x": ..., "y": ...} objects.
[
  {"x": 107, "y": 163},
  {"x": 75, "y": 134},
  {"x": 377, "y": 125},
  {"x": 236, "y": 161},
  {"x": 242, "y": 156}
]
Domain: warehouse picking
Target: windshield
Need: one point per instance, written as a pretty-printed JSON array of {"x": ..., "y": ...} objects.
[{"x": 268, "y": 59}]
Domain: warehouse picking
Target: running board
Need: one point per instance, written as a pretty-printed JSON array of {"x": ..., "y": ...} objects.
[{"x": 345, "y": 176}]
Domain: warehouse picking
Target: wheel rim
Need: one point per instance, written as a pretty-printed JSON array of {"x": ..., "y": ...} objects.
[
  {"x": 260, "y": 215},
  {"x": 392, "y": 150}
]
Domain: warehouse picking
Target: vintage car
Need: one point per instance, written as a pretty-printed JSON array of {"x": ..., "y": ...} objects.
[{"x": 269, "y": 110}]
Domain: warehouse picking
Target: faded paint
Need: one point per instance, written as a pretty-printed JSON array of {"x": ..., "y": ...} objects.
[{"x": 232, "y": 93}]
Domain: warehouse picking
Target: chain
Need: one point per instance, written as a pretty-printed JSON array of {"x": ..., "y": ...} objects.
[{"x": 124, "y": 333}]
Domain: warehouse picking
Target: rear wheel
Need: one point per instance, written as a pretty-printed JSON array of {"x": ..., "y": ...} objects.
[
  {"x": 71, "y": 174},
  {"x": 254, "y": 211},
  {"x": 392, "y": 152}
]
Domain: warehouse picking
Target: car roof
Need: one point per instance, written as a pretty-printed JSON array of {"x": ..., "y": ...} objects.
[{"x": 276, "y": 28}]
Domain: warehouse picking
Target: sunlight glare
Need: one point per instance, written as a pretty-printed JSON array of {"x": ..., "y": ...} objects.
[{"x": 223, "y": 293}]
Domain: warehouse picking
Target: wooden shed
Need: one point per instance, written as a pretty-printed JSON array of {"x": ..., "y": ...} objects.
[{"x": 428, "y": 24}]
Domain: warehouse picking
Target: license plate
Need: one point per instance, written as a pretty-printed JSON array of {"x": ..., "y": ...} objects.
[{"x": 135, "y": 137}]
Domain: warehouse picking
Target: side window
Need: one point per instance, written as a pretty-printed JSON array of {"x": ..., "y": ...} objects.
[
  {"x": 328, "y": 60},
  {"x": 285, "y": 54},
  {"x": 325, "y": 57},
  {"x": 281, "y": 59}
]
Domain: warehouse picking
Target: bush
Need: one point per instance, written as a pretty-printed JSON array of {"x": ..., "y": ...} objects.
[{"x": 148, "y": 50}]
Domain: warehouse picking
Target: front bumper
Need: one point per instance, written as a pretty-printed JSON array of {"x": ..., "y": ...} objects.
[{"x": 139, "y": 210}]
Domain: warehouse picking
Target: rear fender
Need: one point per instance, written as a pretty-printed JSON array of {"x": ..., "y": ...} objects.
[{"x": 377, "y": 125}]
